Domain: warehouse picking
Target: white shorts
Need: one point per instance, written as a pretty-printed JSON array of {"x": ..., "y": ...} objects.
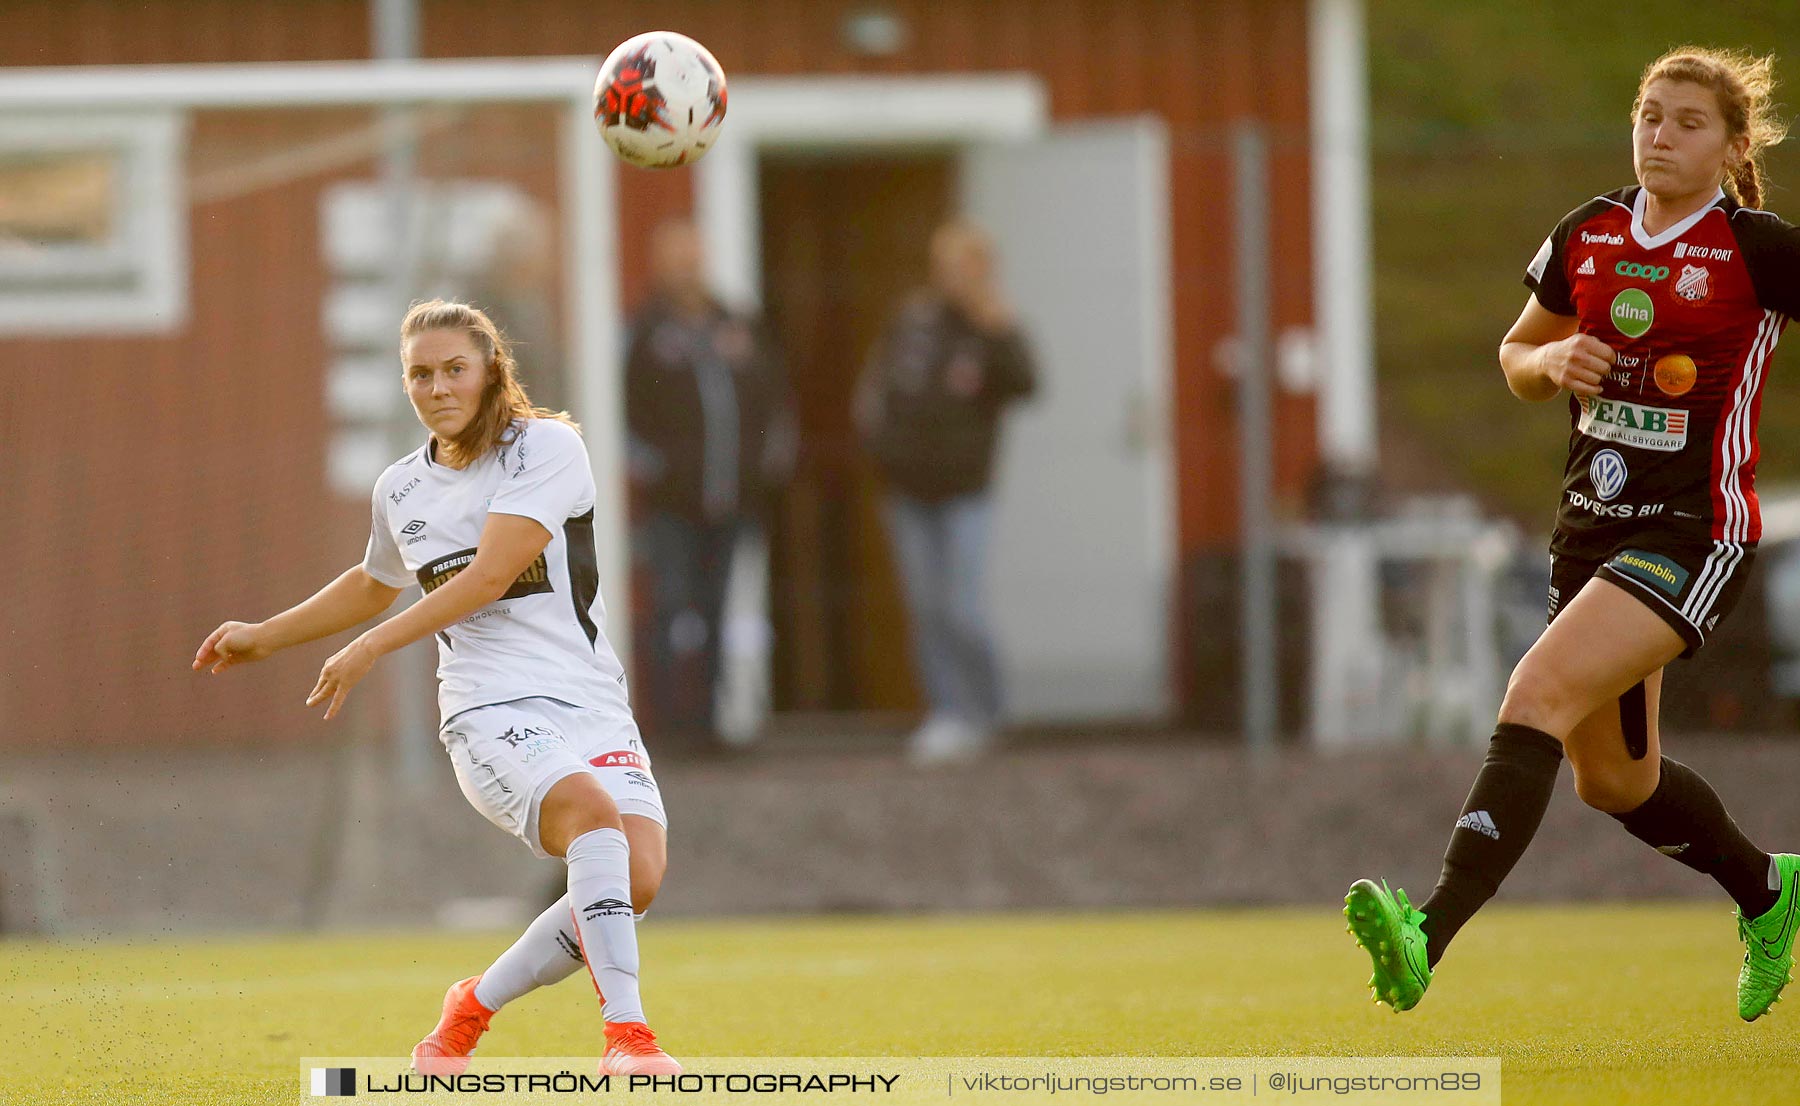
[{"x": 509, "y": 755}]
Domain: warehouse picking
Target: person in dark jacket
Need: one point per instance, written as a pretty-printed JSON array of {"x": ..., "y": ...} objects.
[
  {"x": 711, "y": 437},
  {"x": 929, "y": 405}
]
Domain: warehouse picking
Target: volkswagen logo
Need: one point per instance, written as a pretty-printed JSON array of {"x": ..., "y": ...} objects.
[{"x": 1608, "y": 473}]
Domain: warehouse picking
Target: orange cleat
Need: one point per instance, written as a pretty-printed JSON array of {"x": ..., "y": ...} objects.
[
  {"x": 446, "y": 1051},
  {"x": 631, "y": 1049}
]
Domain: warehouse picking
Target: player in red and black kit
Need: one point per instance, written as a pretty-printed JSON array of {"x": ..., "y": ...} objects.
[{"x": 1657, "y": 308}]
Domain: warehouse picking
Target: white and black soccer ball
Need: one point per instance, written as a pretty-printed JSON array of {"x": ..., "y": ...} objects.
[{"x": 659, "y": 100}]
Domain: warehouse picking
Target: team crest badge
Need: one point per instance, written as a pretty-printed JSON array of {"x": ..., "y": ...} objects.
[{"x": 1694, "y": 284}]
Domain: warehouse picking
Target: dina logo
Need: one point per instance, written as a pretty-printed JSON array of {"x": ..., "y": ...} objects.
[{"x": 1633, "y": 313}]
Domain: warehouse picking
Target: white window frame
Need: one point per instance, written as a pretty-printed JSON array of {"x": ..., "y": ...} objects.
[{"x": 137, "y": 282}]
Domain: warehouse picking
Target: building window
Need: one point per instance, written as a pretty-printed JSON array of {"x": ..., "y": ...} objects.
[{"x": 93, "y": 225}]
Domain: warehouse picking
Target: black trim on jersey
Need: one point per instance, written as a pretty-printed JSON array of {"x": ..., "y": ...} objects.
[
  {"x": 444, "y": 637},
  {"x": 1771, "y": 248},
  {"x": 584, "y": 569},
  {"x": 1552, "y": 289}
]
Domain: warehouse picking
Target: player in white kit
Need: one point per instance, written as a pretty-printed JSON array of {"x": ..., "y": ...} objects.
[{"x": 494, "y": 518}]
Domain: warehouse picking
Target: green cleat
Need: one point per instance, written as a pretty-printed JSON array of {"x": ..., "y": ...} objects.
[
  {"x": 1769, "y": 945},
  {"x": 1385, "y": 924}
]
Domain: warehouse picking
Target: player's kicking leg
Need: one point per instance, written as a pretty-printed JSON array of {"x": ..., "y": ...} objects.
[{"x": 548, "y": 952}]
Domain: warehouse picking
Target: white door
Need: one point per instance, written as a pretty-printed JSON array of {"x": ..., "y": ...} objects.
[{"x": 1083, "y": 551}]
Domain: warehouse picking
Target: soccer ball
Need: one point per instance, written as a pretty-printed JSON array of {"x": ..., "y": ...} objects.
[{"x": 659, "y": 100}]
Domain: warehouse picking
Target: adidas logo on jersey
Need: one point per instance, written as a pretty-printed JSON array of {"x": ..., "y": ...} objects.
[
  {"x": 1587, "y": 267},
  {"x": 1480, "y": 822}
]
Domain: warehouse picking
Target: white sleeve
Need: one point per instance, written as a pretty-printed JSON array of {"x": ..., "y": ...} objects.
[
  {"x": 546, "y": 476},
  {"x": 382, "y": 559}
]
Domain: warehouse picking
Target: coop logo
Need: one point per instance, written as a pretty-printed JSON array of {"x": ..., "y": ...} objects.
[
  {"x": 1651, "y": 273},
  {"x": 1608, "y": 473},
  {"x": 1602, "y": 239},
  {"x": 1701, "y": 253},
  {"x": 1662, "y": 429},
  {"x": 1632, "y": 312}
]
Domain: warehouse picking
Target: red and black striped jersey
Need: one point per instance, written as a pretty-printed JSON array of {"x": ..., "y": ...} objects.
[{"x": 1694, "y": 314}]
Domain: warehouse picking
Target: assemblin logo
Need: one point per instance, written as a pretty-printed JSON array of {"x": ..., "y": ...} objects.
[{"x": 1660, "y": 571}]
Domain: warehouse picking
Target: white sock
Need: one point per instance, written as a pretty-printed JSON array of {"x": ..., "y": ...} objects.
[
  {"x": 600, "y": 900},
  {"x": 547, "y": 952}
]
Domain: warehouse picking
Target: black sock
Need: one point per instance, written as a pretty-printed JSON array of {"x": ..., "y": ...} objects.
[
  {"x": 1685, "y": 819},
  {"x": 1500, "y": 817}
]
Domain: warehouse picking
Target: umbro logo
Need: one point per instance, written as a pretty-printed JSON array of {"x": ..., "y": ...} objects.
[
  {"x": 606, "y": 908},
  {"x": 1480, "y": 822},
  {"x": 1587, "y": 267},
  {"x": 413, "y": 527}
]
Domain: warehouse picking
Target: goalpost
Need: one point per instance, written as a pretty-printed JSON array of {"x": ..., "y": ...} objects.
[
  {"x": 125, "y": 270},
  {"x": 588, "y": 189}
]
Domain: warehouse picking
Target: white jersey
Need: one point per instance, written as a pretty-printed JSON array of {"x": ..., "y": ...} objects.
[{"x": 543, "y": 637}]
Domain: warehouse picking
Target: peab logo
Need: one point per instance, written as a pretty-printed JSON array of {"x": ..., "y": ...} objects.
[
  {"x": 1663, "y": 429},
  {"x": 1632, "y": 312}
]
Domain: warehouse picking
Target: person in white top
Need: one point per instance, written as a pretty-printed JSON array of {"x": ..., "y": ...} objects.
[{"x": 493, "y": 517}]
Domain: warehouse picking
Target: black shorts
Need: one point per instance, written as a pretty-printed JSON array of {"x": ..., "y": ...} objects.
[{"x": 1692, "y": 582}]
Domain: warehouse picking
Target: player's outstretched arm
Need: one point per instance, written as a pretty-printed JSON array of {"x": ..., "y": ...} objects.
[
  {"x": 1543, "y": 354},
  {"x": 352, "y": 598},
  {"x": 509, "y": 544}
]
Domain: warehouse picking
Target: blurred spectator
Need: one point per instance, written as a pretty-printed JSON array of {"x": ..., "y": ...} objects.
[
  {"x": 711, "y": 437},
  {"x": 930, "y": 404}
]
